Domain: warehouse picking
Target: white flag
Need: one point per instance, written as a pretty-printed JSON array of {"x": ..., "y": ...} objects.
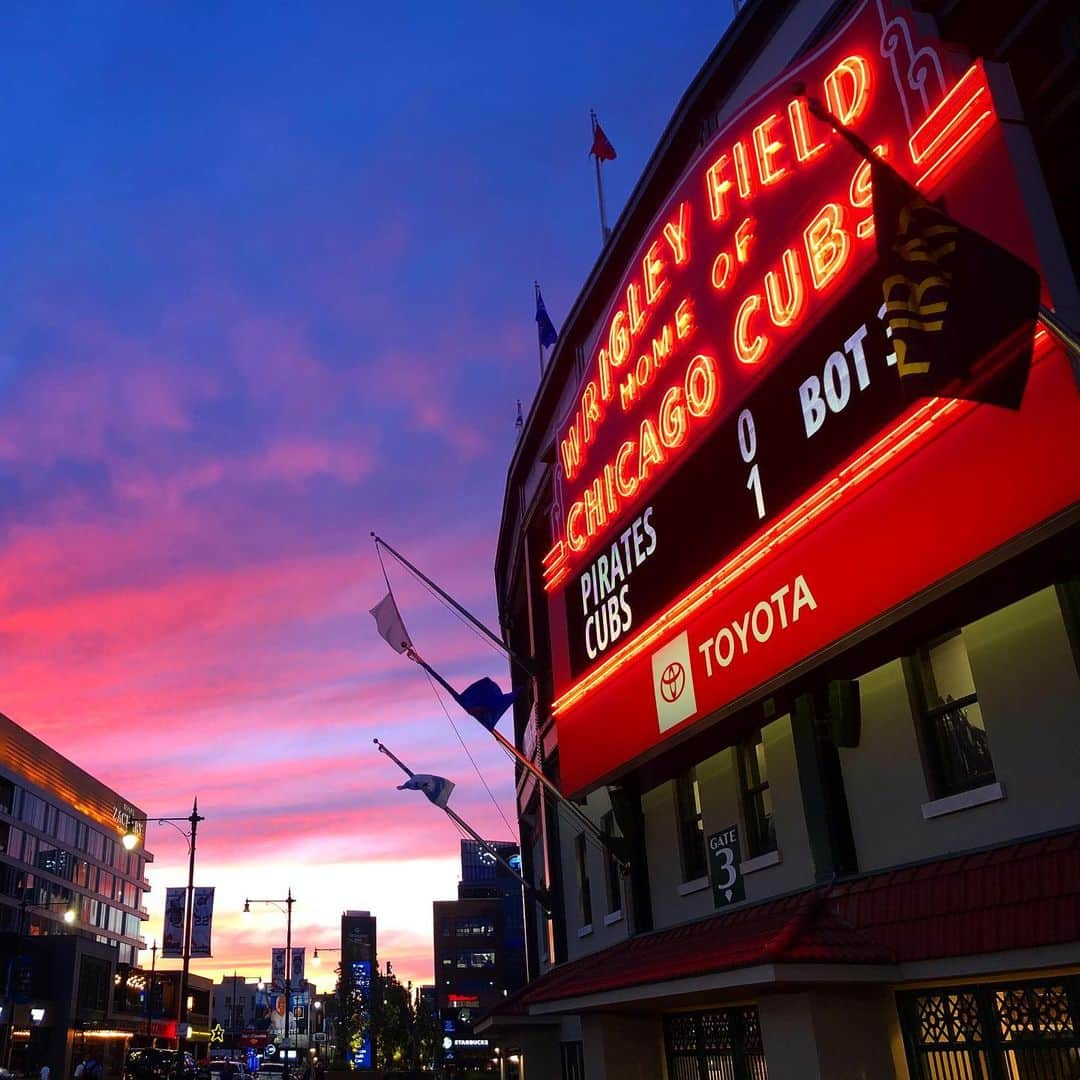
[
  {"x": 436, "y": 788},
  {"x": 391, "y": 628}
]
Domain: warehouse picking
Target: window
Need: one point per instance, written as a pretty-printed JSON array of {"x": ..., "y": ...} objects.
[
  {"x": 756, "y": 797},
  {"x": 1024, "y": 1029},
  {"x": 573, "y": 1061},
  {"x": 476, "y": 958},
  {"x": 612, "y": 877},
  {"x": 719, "y": 1043},
  {"x": 952, "y": 735},
  {"x": 7, "y": 797},
  {"x": 584, "y": 891},
  {"x": 691, "y": 827}
]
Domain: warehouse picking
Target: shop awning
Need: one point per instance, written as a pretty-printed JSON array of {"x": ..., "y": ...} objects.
[{"x": 1018, "y": 896}]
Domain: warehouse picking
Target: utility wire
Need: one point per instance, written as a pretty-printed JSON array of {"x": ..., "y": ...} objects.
[{"x": 446, "y": 712}]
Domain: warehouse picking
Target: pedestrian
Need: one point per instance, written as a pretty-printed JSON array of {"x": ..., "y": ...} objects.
[
  {"x": 45, "y": 1070},
  {"x": 80, "y": 1070}
]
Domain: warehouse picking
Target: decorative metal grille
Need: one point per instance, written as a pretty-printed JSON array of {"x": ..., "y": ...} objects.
[
  {"x": 1014, "y": 1031},
  {"x": 724, "y": 1044},
  {"x": 573, "y": 1061}
]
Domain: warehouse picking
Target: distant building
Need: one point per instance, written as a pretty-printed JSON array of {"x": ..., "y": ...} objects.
[
  {"x": 359, "y": 961},
  {"x": 233, "y": 1006},
  {"x": 60, "y": 852},
  {"x": 479, "y": 949}
]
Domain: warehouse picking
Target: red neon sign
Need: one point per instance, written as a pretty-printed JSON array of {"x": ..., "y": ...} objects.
[
  {"x": 755, "y": 242},
  {"x": 775, "y": 229}
]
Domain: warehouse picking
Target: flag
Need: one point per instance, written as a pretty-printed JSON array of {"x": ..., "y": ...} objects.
[
  {"x": 546, "y": 328},
  {"x": 960, "y": 309},
  {"x": 202, "y": 917},
  {"x": 602, "y": 149},
  {"x": 436, "y": 788},
  {"x": 172, "y": 943},
  {"x": 485, "y": 701},
  {"x": 482, "y": 699},
  {"x": 390, "y": 624}
]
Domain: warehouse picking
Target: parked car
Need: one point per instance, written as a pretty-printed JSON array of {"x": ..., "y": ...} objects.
[
  {"x": 222, "y": 1069},
  {"x": 155, "y": 1063},
  {"x": 271, "y": 1070}
]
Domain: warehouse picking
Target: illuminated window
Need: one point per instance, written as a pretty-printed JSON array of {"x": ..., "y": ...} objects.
[
  {"x": 691, "y": 826},
  {"x": 756, "y": 797},
  {"x": 584, "y": 890},
  {"x": 1011, "y": 1030},
  {"x": 952, "y": 735},
  {"x": 612, "y": 878}
]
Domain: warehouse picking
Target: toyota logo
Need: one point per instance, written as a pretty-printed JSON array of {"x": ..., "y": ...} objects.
[{"x": 672, "y": 682}]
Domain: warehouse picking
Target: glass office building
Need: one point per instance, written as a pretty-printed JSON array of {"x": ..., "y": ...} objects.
[{"x": 60, "y": 848}]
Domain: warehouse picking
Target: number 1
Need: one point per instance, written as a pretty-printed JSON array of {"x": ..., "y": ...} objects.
[{"x": 753, "y": 483}]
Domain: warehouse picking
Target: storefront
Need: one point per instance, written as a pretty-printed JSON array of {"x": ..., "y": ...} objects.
[{"x": 792, "y": 535}]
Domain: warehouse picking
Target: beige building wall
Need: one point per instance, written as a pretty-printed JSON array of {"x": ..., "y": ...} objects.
[{"x": 1029, "y": 694}]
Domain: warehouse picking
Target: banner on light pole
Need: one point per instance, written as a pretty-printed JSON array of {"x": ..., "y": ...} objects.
[
  {"x": 296, "y": 976},
  {"x": 277, "y": 968},
  {"x": 202, "y": 917},
  {"x": 172, "y": 938}
]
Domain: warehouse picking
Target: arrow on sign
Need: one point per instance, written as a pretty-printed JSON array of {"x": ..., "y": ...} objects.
[{"x": 727, "y": 893}]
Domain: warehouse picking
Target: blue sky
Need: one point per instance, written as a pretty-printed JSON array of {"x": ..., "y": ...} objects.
[{"x": 268, "y": 286}]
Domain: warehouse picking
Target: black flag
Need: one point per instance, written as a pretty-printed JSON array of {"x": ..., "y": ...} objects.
[{"x": 960, "y": 309}]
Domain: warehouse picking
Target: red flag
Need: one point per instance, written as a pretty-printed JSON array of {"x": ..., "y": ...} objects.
[{"x": 602, "y": 149}]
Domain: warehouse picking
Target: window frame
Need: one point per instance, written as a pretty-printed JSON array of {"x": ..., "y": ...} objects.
[
  {"x": 926, "y": 717},
  {"x": 690, "y": 820},
  {"x": 612, "y": 875},
  {"x": 760, "y": 826},
  {"x": 581, "y": 867}
]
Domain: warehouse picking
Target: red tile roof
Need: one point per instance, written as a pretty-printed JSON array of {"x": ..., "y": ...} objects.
[{"x": 1017, "y": 896}]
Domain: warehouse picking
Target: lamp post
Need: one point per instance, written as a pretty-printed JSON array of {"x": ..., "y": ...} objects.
[
  {"x": 288, "y": 902},
  {"x": 150, "y": 994},
  {"x": 9, "y": 998},
  {"x": 130, "y": 841}
]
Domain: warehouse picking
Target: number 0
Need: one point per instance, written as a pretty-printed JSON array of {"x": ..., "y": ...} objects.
[{"x": 747, "y": 436}]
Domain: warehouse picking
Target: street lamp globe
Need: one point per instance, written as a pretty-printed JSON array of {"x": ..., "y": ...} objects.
[
  {"x": 130, "y": 840},
  {"x": 69, "y": 916}
]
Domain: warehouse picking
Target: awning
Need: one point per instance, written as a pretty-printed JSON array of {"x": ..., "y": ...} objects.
[{"x": 1017, "y": 896}]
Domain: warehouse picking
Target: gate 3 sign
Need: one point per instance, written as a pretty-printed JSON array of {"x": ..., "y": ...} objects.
[
  {"x": 739, "y": 461},
  {"x": 728, "y": 885}
]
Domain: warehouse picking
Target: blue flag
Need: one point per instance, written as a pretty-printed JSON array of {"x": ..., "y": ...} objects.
[
  {"x": 546, "y": 328},
  {"x": 482, "y": 700},
  {"x": 485, "y": 701}
]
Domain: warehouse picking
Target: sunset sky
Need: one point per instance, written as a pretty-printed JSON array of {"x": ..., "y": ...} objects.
[{"x": 268, "y": 286}]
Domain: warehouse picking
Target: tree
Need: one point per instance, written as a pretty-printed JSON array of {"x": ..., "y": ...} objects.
[
  {"x": 426, "y": 1036},
  {"x": 351, "y": 1017}
]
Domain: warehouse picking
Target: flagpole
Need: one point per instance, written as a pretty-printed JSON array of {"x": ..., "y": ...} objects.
[
  {"x": 580, "y": 814},
  {"x": 466, "y": 827},
  {"x": 604, "y": 230},
  {"x": 525, "y": 666},
  {"x": 510, "y": 748},
  {"x": 539, "y": 330}
]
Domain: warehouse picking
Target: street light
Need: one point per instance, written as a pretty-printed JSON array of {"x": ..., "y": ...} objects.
[
  {"x": 288, "y": 902},
  {"x": 130, "y": 840},
  {"x": 316, "y": 960}
]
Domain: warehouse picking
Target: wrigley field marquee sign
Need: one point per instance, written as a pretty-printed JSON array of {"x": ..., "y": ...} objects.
[{"x": 740, "y": 457}]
